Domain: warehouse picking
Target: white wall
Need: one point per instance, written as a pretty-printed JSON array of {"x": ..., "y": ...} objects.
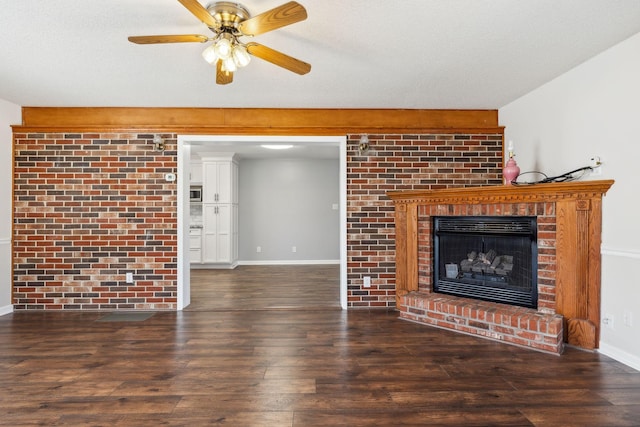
[
  {"x": 286, "y": 203},
  {"x": 594, "y": 110},
  {"x": 10, "y": 114}
]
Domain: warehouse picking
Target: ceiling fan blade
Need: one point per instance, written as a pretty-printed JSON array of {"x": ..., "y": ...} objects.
[
  {"x": 223, "y": 77},
  {"x": 278, "y": 58},
  {"x": 287, "y": 14},
  {"x": 200, "y": 12},
  {"x": 182, "y": 38}
]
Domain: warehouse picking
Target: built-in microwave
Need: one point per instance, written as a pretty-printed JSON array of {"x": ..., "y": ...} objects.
[{"x": 195, "y": 193}]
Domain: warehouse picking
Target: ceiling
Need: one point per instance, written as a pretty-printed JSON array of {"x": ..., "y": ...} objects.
[
  {"x": 250, "y": 147},
  {"x": 444, "y": 54},
  {"x": 441, "y": 54}
]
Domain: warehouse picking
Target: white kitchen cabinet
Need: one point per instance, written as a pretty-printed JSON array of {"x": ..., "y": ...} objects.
[
  {"x": 217, "y": 233},
  {"x": 195, "y": 173},
  {"x": 195, "y": 245},
  {"x": 219, "y": 180},
  {"x": 220, "y": 211}
]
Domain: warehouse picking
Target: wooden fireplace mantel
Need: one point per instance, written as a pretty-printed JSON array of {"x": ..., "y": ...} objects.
[
  {"x": 578, "y": 208},
  {"x": 505, "y": 193}
]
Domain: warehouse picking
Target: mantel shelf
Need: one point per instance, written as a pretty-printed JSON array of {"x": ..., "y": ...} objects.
[{"x": 504, "y": 193}]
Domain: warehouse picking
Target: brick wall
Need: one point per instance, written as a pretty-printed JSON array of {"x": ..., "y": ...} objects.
[
  {"x": 395, "y": 163},
  {"x": 90, "y": 207},
  {"x": 87, "y": 209}
]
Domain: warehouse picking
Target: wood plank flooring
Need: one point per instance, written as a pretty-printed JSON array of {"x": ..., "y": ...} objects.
[
  {"x": 266, "y": 287},
  {"x": 293, "y": 367}
]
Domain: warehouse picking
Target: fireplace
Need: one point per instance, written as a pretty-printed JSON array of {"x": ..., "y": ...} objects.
[
  {"x": 491, "y": 258},
  {"x": 568, "y": 220}
]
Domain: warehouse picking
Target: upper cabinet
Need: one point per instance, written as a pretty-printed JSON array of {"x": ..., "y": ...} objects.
[
  {"x": 195, "y": 174},
  {"x": 219, "y": 180}
]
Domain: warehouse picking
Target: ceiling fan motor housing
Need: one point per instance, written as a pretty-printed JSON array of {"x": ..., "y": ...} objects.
[{"x": 229, "y": 14}]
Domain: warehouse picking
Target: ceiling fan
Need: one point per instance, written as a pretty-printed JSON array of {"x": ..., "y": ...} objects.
[{"x": 229, "y": 22}]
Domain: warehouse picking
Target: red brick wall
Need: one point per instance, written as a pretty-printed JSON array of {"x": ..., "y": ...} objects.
[
  {"x": 403, "y": 162},
  {"x": 87, "y": 209},
  {"x": 90, "y": 207}
]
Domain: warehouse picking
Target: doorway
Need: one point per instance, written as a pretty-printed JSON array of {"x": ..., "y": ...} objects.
[{"x": 313, "y": 145}]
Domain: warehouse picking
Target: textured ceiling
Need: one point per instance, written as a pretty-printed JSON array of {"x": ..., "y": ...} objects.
[{"x": 364, "y": 53}]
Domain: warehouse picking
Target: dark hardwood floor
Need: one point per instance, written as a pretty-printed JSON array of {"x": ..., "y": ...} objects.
[
  {"x": 266, "y": 287},
  {"x": 293, "y": 367}
]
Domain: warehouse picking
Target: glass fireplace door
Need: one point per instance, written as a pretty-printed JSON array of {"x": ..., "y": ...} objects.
[{"x": 488, "y": 258}]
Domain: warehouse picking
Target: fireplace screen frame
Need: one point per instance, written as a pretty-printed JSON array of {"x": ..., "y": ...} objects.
[{"x": 490, "y": 287}]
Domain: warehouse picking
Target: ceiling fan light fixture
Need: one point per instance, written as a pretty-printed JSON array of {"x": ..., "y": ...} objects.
[
  {"x": 229, "y": 22},
  {"x": 210, "y": 55},
  {"x": 229, "y": 65},
  {"x": 240, "y": 55},
  {"x": 223, "y": 46}
]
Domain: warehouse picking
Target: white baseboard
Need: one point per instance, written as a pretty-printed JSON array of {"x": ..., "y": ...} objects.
[
  {"x": 291, "y": 262},
  {"x": 620, "y": 355},
  {"x": 198, "y": 266},
  {"x": 7, "y": 309}
]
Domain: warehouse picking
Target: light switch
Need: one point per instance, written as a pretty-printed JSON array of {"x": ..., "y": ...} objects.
[{"x": 366, "y": 282}]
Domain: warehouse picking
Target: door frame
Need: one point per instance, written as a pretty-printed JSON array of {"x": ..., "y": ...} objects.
[{"x": 184, "y": 157}]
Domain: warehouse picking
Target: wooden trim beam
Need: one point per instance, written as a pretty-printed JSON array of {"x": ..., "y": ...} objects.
[{"x": 257, "y": 120}]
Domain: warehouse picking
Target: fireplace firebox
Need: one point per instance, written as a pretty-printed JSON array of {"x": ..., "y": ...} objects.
[{"x": 487, "y": 258}]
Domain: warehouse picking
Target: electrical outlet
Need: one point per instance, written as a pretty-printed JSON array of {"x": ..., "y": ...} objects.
[
  {"x": 627, "y": 318},
  {"x": 366, "y": 281},
  {"x": 294, "y": 249},
  {"x": 129, "y": 277},
  {"x": 596, "y": 165},
  {"x": 258, "y": 249},
  {"x": 607, "y": 321}
]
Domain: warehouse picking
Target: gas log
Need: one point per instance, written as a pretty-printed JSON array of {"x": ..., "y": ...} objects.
[{"x": 487, "y": 262}]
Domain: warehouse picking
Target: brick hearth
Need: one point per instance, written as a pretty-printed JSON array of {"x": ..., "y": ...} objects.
[
  {"x": 515, "y": 325},
  {"x": 569, "y": 221}
]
